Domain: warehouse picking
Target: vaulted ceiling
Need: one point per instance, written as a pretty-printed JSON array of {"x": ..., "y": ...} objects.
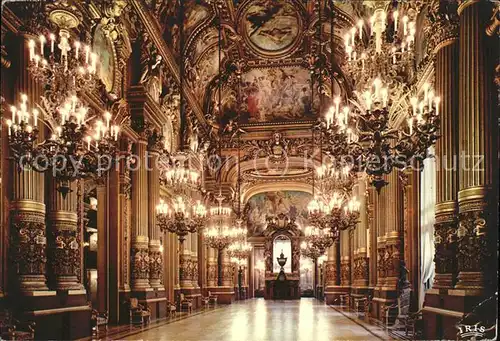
[{"x": 265, "y": 49}]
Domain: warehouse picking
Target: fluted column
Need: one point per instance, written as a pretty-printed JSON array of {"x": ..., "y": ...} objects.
[
  {"x": 478, "y": 129},
  {"x": 211, "y": 267},
  {"x": 139, "y": 242},
  {"x": 155, "y": 255},
  {"x": 446, "y": 51},
  {"x": 124, "y": 209},
  {"x": 345, "y": 263},
  {"x": 194, "y": 259},
  {"x": 28, "y": 232},
  {"x": 185, "y": 266},
  {"x": 227, "y": 270},
  {"x": 380, "y": 201},
  {"x": 330, "y": 269},
  {"x": 65, "y": 248},
  {"x": 393, "y": 229},
  {"x": 360, "y": 252},
  {"x": 372, "y": 215}
]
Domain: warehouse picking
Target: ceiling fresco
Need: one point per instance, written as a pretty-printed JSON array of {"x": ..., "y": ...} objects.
[
  {"x": 271, "y": 26},
  {"x": 270, "y": 38},
  {"x": 291, "y": 203}
]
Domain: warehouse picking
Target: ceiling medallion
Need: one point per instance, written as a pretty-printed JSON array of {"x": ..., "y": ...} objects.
[{"x": 271, "y": 28}]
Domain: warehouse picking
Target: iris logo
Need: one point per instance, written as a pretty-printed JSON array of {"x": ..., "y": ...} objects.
[{"x": 472, "y": 332}]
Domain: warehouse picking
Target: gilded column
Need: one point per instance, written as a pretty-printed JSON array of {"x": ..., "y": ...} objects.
[
  {"x": 124, "y": 233},
  {"x": 445, "y": 46},
  {"x": 345, "y": 263},
  {"x": 380, "y": 201},
  {"x": 372, "y": 216},
  {"x": 155, "y": 255},
  {"x": 185, "y": 266},
  {"x": 64, "y": 245},
  {"x": 393, "y": 230},
  {"x": 211, "y": 267},
  {"x": 28, "y": 233},
  {"x": 194, "y": 259},
  {"x": 227, "y": 271},
  {"x": 139, "y": 242},
  {"x": 478, "y": 131},
  {"x": 360, "y": 270}
]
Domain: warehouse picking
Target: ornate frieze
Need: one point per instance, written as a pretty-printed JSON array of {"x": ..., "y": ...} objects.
[{"x": 155, "y": 266}]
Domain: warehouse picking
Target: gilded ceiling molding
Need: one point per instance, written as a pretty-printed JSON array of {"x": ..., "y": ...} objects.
[{"x": 152, "y": 27}]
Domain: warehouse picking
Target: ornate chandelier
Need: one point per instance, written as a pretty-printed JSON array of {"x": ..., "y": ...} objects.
[
  {"x": 383, "y": 68},
  {"x": 179, "y": 175},
  {"x": 343, "y": 214},
  {"x": 320, "y": 239},
  {"x": 67, "y": 67},
  {"x": 375, "y": 133},
  {"x": 81, "y": 144},
  {"x": 310, "y": 251},
  {"x": 240, "y": 250},
  {"x": 178, "y": 219}
]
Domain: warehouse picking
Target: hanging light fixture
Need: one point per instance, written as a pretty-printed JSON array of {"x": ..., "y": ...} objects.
[
  {"x": 179, "y": 219},
  {"x": 307, "y": 249},
  {"x": 81, "y": 145},
  {"x": 320, "y": 239},
  {"x": 179, "y": 175},
  {"x": 383, "y": 68}
]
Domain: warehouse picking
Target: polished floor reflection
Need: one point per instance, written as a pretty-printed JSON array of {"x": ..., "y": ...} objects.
[{"x": 305, "y": 319}]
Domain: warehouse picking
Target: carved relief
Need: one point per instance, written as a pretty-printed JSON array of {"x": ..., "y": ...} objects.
[
  {"x": 331, "y": 273},
  {"x": 444, "y": 24},
  {"x": 345, "y": 272},
  {"x": 446, "y": 246},
  {"x": 360, "y": 269},
  {"x": 155, "y": 265},
  {"x": 140, "y": 263},
  {"x": 473, "y": 248},
  {"x": 28, "y": 243},
  {"x": 65, "y": 249}
]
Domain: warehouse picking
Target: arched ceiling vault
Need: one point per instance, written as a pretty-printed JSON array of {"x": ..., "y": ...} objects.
[{"x": 264, "y": 41}]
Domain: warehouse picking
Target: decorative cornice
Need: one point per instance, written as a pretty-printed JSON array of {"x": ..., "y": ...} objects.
[{"x": 444, "y": 26}]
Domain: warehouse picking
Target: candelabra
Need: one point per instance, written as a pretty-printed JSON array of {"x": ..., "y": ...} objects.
[
  {"x": 178, "y": 219},
  {"x": 23, "y": 132},
  {"x": 80, "y": 146},
  {"x": 320, "y": 239}
]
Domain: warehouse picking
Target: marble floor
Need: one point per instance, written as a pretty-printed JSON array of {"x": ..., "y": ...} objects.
[{"x": 257, "y": 319}]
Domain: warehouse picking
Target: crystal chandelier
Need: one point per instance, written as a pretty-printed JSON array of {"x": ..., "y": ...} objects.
[
  {"x": 310, "y": 251},
  {"x": 320, "y": 239},
  {"x": 178, "y": 219},
  {"x": 52, "y": 62}
]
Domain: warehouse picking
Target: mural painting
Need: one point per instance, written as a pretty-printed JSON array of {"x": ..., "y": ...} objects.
[{"x": 291, "y": 203}]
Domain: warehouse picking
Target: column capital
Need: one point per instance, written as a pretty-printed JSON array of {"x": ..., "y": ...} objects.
[{"x": 444, "y": 26}]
